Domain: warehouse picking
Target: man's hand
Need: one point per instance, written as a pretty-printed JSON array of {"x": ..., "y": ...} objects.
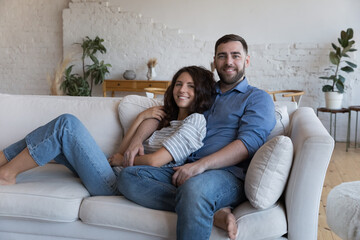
[
  {"x": 184, "y": 172},
  {"x": 131, "y": 152}
]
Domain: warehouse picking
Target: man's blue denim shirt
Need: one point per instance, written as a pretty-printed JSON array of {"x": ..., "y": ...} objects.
[{"x": 243, "y": 113}]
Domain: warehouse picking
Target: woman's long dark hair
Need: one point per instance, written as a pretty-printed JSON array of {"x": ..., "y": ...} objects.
[{"x": 204, "y": 88}]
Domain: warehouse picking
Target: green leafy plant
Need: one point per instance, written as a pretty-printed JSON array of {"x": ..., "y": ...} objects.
[
  {"x": 336, "y": 57},
  {"x": 76, "y": 85}
]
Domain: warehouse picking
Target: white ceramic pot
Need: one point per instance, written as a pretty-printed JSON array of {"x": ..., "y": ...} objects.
[{"x": 333, "y": 100}]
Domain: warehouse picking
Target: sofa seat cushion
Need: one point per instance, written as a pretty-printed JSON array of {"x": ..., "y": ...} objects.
[
  {"x": 49, "y": 193},
  {"x": 254, "y": 224},
  {"x": 118, "y": 212}
]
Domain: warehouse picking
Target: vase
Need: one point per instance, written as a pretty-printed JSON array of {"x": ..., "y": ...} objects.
[
  {"x": 151, "y": 74},
  {"x": 333, "y": 100},
  {"x": 129, "y": 75}
]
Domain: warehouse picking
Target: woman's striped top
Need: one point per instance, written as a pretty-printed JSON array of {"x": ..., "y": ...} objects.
[{"x": 181, "y": 138}]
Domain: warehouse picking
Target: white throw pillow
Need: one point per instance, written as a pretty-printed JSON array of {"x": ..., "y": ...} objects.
[
  {"x": 131, "y": 105},
  {"x": 282, "y": 122},
  {"x": 268, "y": 172}
]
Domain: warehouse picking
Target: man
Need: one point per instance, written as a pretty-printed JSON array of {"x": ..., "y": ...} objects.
[{"x": 238, "y": 123}]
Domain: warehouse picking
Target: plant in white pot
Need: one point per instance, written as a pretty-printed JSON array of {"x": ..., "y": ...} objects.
[{"x": 334, "y": 92}]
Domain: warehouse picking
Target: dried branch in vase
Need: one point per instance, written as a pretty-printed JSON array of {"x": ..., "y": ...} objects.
[
  {"x": 55, "y": 83},
  {"x": 152, "y": 62}
]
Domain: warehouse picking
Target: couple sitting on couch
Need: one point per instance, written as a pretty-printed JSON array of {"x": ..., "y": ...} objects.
[{"x": 194, "y": 164}]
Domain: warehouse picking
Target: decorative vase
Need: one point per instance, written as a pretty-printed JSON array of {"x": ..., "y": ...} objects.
[
  {"x": 129, "y": 75},
  {"x": 151, "y": 74},
  {"x": 333, "y": 100}
]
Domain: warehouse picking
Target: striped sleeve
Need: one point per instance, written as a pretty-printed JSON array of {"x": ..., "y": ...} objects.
[{"x": 187, "y": 139}]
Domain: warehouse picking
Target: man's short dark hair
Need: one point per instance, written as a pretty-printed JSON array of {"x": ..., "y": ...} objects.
[{"x": 231, "y": 38}]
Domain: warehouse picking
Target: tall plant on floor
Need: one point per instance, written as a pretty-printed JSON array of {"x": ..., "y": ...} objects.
[
  {"x": 77, "y": 85},
  {"x": 337, "y": 57}
]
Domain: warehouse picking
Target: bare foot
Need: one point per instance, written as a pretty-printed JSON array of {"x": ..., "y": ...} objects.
[
  {"x": 225, "y": 220},
  {"x": 5, "y": 178},
  {"x": 3, "y": 160}
]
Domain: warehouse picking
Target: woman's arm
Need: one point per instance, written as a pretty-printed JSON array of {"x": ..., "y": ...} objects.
[
  {"x": 137, "y": 131},
  {"x": 153, "y": 112},
  {"x": 155, "y": 159},
  {"x": 177, "y": 143}
]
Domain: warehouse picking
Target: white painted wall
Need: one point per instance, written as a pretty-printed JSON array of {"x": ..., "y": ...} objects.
[
  {"x": 289, "y": 40},
  {"x": 259, "y": 21}
]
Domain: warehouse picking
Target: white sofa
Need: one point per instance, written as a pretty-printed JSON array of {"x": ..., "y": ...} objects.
[{"x": 50, "y": 203}]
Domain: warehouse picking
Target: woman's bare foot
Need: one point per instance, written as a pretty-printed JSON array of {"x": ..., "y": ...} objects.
[
  {"x": 21, "y": 163},
  {"x": 6, "y": 178},
  {"x": 225, "y": 220},
  {"x": 3, "y": 160}
]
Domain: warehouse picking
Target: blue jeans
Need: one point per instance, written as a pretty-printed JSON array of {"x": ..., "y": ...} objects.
[
  {"x": 195, "y": 202},
  {"x": 67, "y": 141}
]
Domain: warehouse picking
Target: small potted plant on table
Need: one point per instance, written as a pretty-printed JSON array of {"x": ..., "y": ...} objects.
[{"x": 334, "y": 92}]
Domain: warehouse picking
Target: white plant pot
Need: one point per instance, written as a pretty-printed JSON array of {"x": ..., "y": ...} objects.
[{"x": 333, "y": 100}]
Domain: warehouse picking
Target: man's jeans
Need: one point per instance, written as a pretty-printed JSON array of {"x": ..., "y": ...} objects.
[
  {"x": 67, "y": 141},
  {"x": 195, "y": 202}
]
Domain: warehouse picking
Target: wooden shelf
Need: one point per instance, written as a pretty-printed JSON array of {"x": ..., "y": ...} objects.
[{"x": 131, "y": 85}]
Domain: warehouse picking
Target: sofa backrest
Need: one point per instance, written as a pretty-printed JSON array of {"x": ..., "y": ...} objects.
[{"x": 20, "y": 114}]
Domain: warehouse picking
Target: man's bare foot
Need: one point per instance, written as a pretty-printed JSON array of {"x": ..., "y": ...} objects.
[{"x": 225, "y": 220}]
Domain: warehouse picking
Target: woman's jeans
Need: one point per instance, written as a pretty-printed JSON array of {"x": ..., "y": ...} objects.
[
  {"x": 195, "y": 202},
  {"x": 67, "y": 141}
]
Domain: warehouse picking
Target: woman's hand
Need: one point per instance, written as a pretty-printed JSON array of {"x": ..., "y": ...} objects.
[
  {"x": 156, "y": 112},
  {"x": 116, "y": 160}
]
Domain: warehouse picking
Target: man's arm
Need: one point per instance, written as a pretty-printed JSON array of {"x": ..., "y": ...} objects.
[
  {"x": 146, "y": 128},
  {"x": 230, "y": 155}
]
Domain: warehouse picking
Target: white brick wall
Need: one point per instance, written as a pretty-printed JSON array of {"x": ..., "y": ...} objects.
[
  {"x": 131, "y": 40},
  {"x": 30, "y": 44},
  {"x": 33, "y": 45}
]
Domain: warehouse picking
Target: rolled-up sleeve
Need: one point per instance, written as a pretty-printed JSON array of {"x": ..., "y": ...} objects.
[
  {"x": 187, "y": 139},
  {"x": 257, "y": 121}
]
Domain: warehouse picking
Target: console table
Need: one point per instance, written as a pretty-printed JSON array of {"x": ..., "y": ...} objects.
[{"x": 131, "y": 85}]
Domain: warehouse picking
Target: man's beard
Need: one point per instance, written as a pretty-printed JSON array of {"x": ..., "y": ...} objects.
[{"x": 230, "y": 81}]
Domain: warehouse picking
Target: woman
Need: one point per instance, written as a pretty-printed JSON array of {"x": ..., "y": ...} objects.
[
  {"x": 188, "y": 95},
  {"x": 67, "y": 141}
]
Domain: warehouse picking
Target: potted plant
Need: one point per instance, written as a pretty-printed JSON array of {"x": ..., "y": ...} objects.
[
  {"x": 77, "y": 85},
  {"x": 334, "y": 91}
]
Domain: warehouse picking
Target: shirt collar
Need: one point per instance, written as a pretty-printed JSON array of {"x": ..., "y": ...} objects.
[{"x": 240, "y": 87}]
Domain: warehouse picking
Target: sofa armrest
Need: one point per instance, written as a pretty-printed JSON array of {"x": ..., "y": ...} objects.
[{"x": 313, "y": 147}]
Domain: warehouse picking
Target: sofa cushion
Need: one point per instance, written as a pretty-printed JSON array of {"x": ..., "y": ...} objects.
[
  {"x": 131, "y": 106},
  {"x": 255, "y": 224},
  {"x": 282, "y": 122},
  {"x": 268, "y": 172},
  {"x": 118, "y": 212},
  {"x": 50, "y": 193}
]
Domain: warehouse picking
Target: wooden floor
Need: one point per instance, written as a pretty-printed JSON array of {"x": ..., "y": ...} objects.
[{"x": 344, "y": 167}]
